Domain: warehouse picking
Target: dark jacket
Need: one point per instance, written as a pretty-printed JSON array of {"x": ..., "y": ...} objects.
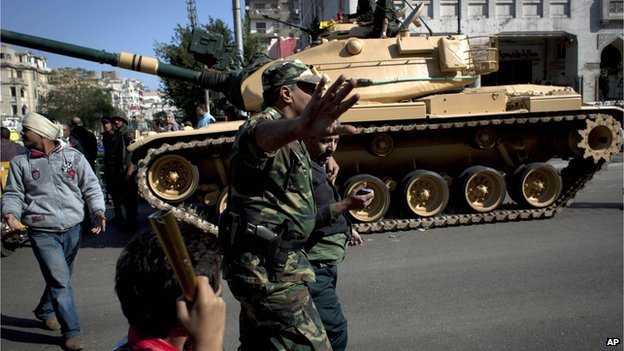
[
  {"x": 87, "y": 142},
  {"x": 327, "y": 222}
]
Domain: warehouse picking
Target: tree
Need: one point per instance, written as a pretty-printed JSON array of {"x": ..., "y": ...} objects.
[
  {"x": 251, "y": 44},
  {"x": 74, "y": 92},
  {"x": 186, "y": 95}
]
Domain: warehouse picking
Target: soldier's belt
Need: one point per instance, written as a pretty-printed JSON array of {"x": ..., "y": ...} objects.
[{"x": 266, "y": 235}]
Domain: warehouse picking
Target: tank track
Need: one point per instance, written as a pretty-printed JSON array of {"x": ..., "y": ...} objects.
[{"x": 576, "y": 175}]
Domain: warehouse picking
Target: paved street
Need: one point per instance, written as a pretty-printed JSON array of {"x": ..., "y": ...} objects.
[{"x": 551, "y": 284}]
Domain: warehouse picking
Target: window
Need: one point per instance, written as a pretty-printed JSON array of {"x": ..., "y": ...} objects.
[
  {"x": 22, "y": 92},
  {"x": 260, "y": 6},
  {"x": 14, "y": 110},
  {"x": 13, "y": 92},
  {"x": 19, "y": 74},
  {"x": 261, "y": 27}
]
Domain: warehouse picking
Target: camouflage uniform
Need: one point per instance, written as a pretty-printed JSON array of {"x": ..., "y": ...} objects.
[
  {"x": 266, "y": 189},
  {"x": 364, "y": 11}
]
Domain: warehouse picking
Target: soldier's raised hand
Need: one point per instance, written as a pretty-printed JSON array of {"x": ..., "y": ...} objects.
[{"x": 320, "y": 117}]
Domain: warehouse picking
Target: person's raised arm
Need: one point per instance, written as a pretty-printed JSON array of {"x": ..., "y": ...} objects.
[
  {"x": 204, "y": 319},
  {"x": 319, "y": 118}
]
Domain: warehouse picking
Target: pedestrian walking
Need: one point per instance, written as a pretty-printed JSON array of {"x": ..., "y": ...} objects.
[
  {"x": 327, "y": 244},
  {"x": 47, "y": 190}
]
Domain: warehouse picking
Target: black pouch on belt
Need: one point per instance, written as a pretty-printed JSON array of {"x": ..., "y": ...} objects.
[{"x": 229, "y": 227}]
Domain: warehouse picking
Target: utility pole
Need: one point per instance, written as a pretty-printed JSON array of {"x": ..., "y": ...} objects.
[
  {"x": 238, "y": 31},
  {"x": 192, "y": 13}
]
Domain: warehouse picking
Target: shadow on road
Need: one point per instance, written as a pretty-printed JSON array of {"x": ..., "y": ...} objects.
[
  {"x": 28, "y": 337},
  {"x": 114, "y": 236},
  {"x": 616, "y": 205}
]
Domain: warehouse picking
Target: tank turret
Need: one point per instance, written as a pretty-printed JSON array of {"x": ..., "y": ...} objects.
[{"x": 435, "y": 151}]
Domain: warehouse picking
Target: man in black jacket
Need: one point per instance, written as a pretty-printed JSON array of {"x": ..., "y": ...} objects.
[
  {"x": 86, "y": 140},
  {"x": 326, "y": 246}
]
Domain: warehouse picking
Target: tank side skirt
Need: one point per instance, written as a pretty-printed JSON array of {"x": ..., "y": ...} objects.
[{"x": 576, "y": 175}]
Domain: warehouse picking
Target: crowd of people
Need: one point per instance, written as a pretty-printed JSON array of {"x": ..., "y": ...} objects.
[{"x": 286, "y": 284}]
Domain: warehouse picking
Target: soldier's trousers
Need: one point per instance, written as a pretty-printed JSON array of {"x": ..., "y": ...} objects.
[
  {"x": 323, "y": 293},
  {"x": 278, "y": 316}
]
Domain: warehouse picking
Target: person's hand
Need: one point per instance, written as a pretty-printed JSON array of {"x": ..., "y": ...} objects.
[
  {"x": 13, "y": 222},
  {"x": 320, "y": 116},
  {"x": 356, "y": 239},
  {"x": 359, "y": 202},
  {"x": 204, "y": 319},
  {"x": 332, "y": 169},
  {"x": 100, "y": 224},
  {"x": 128, "y": 174}
]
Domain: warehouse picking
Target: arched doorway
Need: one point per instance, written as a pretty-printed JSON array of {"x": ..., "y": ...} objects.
[{"x": 610, "y": 80}]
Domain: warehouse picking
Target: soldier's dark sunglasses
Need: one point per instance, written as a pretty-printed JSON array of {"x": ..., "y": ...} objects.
[{"x": 307, "y": 88}]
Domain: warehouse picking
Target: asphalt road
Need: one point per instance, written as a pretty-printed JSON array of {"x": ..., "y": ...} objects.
[{"x": 554, "y": 284}]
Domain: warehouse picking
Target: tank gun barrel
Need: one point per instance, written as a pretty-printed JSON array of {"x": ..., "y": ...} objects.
[
  {"x": 125, "y": 60},
  {"x": 212, "y": 79}
]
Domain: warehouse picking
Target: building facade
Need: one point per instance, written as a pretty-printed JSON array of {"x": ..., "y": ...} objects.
[
  {"x": 126, "y": 94},
  {"x": 561, "y": 42},
  {"x": 280, "y": 12},
  {"x": 23, "y": 80}
]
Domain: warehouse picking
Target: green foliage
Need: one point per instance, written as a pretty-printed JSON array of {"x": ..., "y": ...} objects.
[
  {"x": 75, "y": 92},
  {"x": 185, "y": 95},
  {"x": 251, "y": 44}
]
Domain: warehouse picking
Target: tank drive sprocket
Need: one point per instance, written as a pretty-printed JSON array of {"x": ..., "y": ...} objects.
[{"x": 600, "y": 139}]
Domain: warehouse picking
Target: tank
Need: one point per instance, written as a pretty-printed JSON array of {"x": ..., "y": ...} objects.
[{"x": 436, "y": 151}]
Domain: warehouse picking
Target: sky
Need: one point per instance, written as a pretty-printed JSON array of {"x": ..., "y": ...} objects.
[{"x": 111, "y": 25}]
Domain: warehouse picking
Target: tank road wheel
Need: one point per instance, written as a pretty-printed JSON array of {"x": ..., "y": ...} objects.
[
  {"x": 600, "y": 139},
  {"x": 222, "y": 200},
  {"x": 426, "y": 193},
  {"x": 172, "y": 178},
  {"x": 537, "y": 185},
  {"x": 381, "y": 203},
  {"x": 483, "y": 188},
  {"x": 382, "y": 145}
]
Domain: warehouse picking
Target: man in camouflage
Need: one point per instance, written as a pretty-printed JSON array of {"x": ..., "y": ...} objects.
[
  {"x": 271, "y": 186},
  {"x": 124, "y": 184}
]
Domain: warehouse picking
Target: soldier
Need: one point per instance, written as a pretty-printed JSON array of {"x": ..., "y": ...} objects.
[
  {"x": 124, "y": 183},
  {"x": 271, "y": 203},
  {"x": 364, "y": 11},
  {"x": 384, "y": 21}
]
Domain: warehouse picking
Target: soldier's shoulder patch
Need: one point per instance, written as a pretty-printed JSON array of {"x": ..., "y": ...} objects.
[{"x": 263, "y": 115}]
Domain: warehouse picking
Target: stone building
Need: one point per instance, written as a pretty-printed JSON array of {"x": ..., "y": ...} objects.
[
  {"x": 563, "y": 42},
  {"x": 23, "y": 80}
]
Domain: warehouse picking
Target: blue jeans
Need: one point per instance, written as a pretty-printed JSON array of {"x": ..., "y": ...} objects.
[{"x": 56, "y": 253}]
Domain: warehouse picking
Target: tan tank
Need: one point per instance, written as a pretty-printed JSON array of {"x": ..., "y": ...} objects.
[{"x": 435, "y": 152}]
